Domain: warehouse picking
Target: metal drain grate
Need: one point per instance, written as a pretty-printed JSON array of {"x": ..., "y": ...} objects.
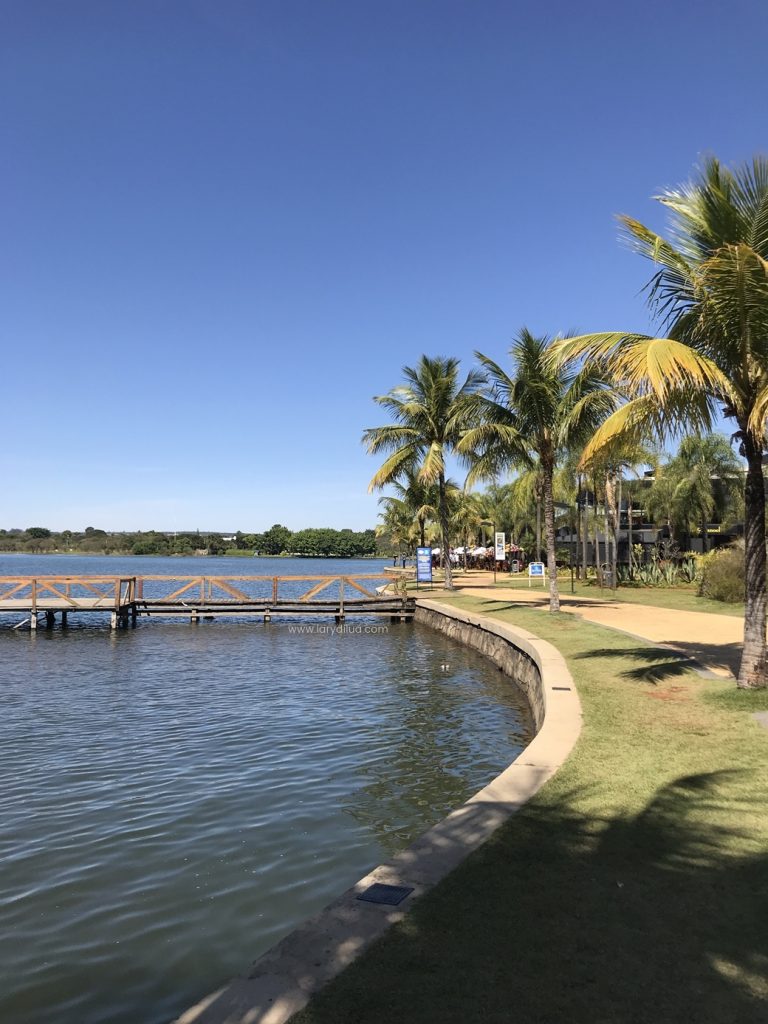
[{"x": 390, "y": 895}]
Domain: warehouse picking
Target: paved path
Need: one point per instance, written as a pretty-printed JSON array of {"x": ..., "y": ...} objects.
[{"x": 712, "y": 640}]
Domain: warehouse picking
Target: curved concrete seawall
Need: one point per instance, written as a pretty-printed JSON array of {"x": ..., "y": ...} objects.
[
  {"x": 283, "y": 980},
  {"x": 513, "y": 650}
]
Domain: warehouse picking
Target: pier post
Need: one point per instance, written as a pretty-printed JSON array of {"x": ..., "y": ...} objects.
[
  {"x": 33, "y": 621},
  {"x": 63, "y": 619},
  {"x": 50, "y": 618},
  {"x": 113, "y": 620}
]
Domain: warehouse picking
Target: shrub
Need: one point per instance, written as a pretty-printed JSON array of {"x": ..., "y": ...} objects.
[{"x": 722, "y": 576}]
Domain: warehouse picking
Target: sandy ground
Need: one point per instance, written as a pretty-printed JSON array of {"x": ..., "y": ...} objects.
[{"x": 712, "y": 640}]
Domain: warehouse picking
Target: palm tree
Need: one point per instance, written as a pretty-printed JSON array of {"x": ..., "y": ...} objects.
[
  {"x": 431, "y": 410},
  {"x": 422, "y": 499},
  {"x": 661, "y": 500},
  {"x": 609, "y": 464},
  {"x": 710, "y": 294},
  {"x": 636, "y": 454},
  {"x": 700, "y": 461},
  {"x": 525, "y": 510},
  {"x": 497, "y": 506},
  {"x": 467, "y": 516},
  {"x": 397, "y": 523},
  {"x": 531, "y": 419}
]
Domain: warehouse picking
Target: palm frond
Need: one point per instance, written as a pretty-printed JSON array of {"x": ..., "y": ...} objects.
[
  {"x": 395, "y": 465},
  {"x": 639, "y": 364},
  {"x": 433, "y": 464},
  {"x": 389, "y": 437}
]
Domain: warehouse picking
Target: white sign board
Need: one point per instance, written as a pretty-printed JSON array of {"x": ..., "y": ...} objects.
[
  {"x": 500, "y": 538},
  {"x": 536, "y": 571}
]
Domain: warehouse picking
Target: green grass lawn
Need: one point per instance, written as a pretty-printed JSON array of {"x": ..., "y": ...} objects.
[
  {"x": 681, "y": 598},
  {"x": 632, "y": 888}
]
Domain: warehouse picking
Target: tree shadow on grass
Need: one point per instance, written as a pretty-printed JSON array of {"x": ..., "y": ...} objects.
[
  {"x": 727, "y": 655},
  {"x": 507, "y": 603},
  {"x": 658, "y": 664},
  {"x": 569, "y": 916}
]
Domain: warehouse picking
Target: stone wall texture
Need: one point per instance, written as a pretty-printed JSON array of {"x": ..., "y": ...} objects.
[{"x": 502, "y": 651}]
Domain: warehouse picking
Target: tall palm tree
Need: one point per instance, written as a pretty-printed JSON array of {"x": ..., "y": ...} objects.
[
  {"x": 431, "y": 412},
  {"x": 531, "y": 418},
  {"x": 710, "y": 295}
]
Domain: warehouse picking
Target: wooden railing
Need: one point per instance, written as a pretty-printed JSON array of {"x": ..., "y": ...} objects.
[
  {"x": 116, "y": 592},
  {"x": 239, "y": 590},
  {"x": 67, "y": 591}
]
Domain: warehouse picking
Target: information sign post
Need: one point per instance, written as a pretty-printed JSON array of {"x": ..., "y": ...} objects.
[
  {"x": 423, "y": 565},
  {"x": 536, "y": 571}
]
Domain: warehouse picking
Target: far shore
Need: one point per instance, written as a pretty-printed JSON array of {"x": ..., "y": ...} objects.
[{"x": 192, "y": 554}]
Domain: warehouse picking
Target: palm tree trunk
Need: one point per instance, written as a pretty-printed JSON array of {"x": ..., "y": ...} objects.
[
  {"x": 704, "y": 534},
  {"x": 610, "y": 520},
  {"x": 618, "y": 534},
  {"x": 538, "y": 528},
  {"x": 577, "y": 529},
  {"x": 585, "y": 532},
  {"x": 630, "y": 537},
  {"x": 577, "y": 537},
  {"x": 598, "y": 570},
  {"x": 752, "y": 671},
  {"x": 445, "y": 550},
  {"x": 549, "y": 529}
]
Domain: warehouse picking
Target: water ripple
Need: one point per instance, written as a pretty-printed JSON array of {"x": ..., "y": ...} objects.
[{"x": 175, "y": 799}]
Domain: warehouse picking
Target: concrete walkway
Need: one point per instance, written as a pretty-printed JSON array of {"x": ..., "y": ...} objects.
[{"x": 714, "y": 641}]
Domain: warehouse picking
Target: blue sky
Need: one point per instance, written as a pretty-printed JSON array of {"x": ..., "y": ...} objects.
[{"x": 227, "y": 225}]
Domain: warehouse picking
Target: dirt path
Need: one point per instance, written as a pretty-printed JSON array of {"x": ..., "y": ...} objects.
[{"x": 712, "y": 640}]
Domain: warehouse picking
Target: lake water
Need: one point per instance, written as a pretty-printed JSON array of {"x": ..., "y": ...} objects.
[{"x": 174, "y": 798}]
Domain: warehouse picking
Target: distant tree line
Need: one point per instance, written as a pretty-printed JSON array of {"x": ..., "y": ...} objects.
[
  {"x": 277, "y": 540},
  {"x": 316, "y": 543}
]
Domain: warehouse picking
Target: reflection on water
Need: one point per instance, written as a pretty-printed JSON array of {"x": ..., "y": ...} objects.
[{"x": 175, "y": 798}]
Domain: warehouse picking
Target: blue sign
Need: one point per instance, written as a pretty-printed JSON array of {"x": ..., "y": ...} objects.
[
  {"x": 536, "y": 569},
  {"x": 423, "y": 565}
]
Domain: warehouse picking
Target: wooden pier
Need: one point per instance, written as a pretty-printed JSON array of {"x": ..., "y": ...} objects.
[{"x": 128, "y": 598}]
